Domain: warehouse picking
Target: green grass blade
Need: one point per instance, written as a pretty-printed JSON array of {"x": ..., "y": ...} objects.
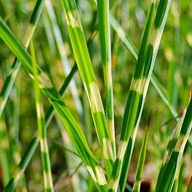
[
  {"x": 134, "y": 103},
  {"x": 72, "y": 127},
  {"x": 48, "y": 182},
  {"x": 160, "y": 90},
  {"x": 105, "y": 42},
  {"x": 87, "y": 74},
  {"x": 140, "y": 82},
  {"x": 35, "y": 141},
  {"x": 133, "y": 50},
  {"x": 172, "y": 159},
  {"x": 151, "y": 53},
  {"x": 172, "y": 88},
  {"x": 112, "y": 3},
  {"x": 61, "y": 48},
  {"x": 122, "y": 35},
  {"x": 141, "y": 161}
]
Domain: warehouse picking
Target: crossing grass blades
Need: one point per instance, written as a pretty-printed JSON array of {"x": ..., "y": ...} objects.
[{"x": 97, "y": 151}]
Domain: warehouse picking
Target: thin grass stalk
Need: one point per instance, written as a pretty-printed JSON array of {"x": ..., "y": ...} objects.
[
  {"x": 72, "y": 127},
  {"x": 61, "y": 48},
  {"x": 138, "y": 90},
  {"x": 160, "y": 90},
  {"x": 172, "y": 159},
  {"x": 141, "y": 161},
  {"x": 133, "y": 50},
  {"x": 49, "y": 34},
  {"x": 112, "y": 3},
  {"x": 58, "y": 186},
  {"x": 172, "y": 87},
  {"x": 122, "y": 35},
  {"x": 176, "y": 182},
  {"x": 105, "y": 42},
  {"x": 89, "y": 80},
  {"x": 46, "y": 165}
]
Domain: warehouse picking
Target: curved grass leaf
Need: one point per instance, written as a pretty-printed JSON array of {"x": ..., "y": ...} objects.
[
  {"x": 72, "y": 127},
  {"x": 35, "y": 141}
]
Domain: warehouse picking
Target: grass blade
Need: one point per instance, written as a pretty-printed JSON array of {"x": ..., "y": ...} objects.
[
  {"x": 105, "y": 42},
  {"x": 35, "y": 141},
  {"x": 151, "y": 53},
  {"x": 87, "y": 74},
  {"x": 135, "y": 102},
  {"x": 72, "y": 127},
  {"x": 141, "y": 161},
  {"x": 133, "y": 50},
  {"x": 172, "y": 159},
  {"x": 60, "y": 46},
  {"x": 48, "y": 182}
]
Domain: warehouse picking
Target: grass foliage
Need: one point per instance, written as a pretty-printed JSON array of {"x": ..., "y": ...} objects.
[{"x": 114, "y": 79}]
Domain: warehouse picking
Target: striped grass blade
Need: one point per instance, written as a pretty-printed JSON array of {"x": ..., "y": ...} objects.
[
  {"x": 158, "y": 24},
  {"x": 105, "y": 42},
  {"x": 48, "y": 182},
  {"x": 147, "y": 54},
  {"x": 133, "y": 50},
  {"x": 141, "y": 161},
  {"x": 35, "y": 141},
  {"x": 62, "y": 53},
  {"x": 174, "y": 154},
  {"x": 72, "y": 127},
  {"x": 89, "y": 80}
]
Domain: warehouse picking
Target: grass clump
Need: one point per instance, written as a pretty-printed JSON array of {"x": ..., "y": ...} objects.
[{"x": 95, "y": 134}]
